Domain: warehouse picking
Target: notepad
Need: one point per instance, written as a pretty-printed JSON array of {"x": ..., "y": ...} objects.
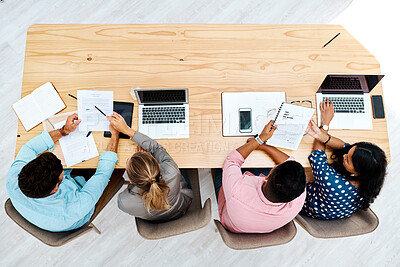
[
  {"x": 292, "y": 121},
  {"x": 39, "y": 105}
]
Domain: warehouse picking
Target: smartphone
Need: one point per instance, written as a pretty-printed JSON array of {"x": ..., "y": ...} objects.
[
  {"x": 245, "y": 120},
  {"x": 377, "y": 107}
]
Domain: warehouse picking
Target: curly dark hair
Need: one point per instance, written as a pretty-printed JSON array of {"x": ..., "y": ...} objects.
[
  {"x": 370, "y": 163},
  {"x": 39, "y": 177},
  {"x": 288, "y": 180}
]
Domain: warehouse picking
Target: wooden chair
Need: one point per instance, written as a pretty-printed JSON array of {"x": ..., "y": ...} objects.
[
  {"x": 195, "y": 218},
  {"x": 241, "y": 241},
  {"x": 56, "y": 239},
  {"x": 359, "y": 223}
]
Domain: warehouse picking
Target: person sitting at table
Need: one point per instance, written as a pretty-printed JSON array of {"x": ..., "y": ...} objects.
[
  {"x": 157, "y": 190},
  {"x": 351, "y": 181},
  {"x": 45, "y": 194},
  {"x": 259, "y": 204}
]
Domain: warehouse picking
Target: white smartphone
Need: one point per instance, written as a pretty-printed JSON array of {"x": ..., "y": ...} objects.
[{"x": 245, "y": 120}]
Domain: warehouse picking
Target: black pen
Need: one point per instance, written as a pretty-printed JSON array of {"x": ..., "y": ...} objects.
[
  {"x": 100, "y": 111},
  {"x": 331, "y": 40},
  {"x": 88, "y": 133},
  {"x": 73, "y": 96}
]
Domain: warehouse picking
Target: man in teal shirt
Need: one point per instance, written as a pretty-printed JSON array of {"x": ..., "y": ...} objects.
[{"x": 46, "y": 195}]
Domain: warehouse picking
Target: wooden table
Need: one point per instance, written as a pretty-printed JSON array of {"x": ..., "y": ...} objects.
[{"x": 207, "y": 59}]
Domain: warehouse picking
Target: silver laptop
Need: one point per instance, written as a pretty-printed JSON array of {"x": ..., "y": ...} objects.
[
  {"x": 351, "y": 100},
  {"x": 163, "y": 113}
]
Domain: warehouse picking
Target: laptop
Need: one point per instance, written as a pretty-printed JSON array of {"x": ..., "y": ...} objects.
[
  {"x": 351, "y": 100},
  {"x": 163, "y": 113}
]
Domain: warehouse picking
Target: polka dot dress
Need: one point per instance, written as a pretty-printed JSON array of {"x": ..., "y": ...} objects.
[{"x": 331, "y": 195}]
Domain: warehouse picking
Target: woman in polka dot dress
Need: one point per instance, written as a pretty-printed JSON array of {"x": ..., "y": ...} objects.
[{"x": 352, "y": 181}]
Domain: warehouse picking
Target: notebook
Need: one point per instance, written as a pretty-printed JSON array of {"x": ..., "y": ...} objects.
[
  {"x": 292, "y": 121},
  {"x": 39, "y": 105}
]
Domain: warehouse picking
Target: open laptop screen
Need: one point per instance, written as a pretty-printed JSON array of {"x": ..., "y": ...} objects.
[
  {"x": 162, "y": 96},
  {"x": 345, "y": 83}
]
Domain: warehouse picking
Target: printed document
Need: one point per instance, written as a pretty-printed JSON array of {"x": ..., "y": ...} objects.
[
  {"x": 292, "y": 121},
  {"x": 92, "y": 119},
  {"x": 76, "y": 147}
]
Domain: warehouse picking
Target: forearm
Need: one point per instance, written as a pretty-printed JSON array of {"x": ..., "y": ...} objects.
[
  {"x": 113, "y": 143},
  {"x": 334, "y": 142},
  {"x": 275, "y": 154},
  {"x": 57, "y": 134},
  {"x": 247, "y": 148}
]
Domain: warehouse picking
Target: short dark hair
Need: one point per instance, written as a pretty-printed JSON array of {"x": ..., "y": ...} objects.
[
  {"x": 288, "y": 181},
  {"x": 39, "y": 177}
]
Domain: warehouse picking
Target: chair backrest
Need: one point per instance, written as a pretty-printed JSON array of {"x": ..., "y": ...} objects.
[
  {"x": 195, "y": 218},
  {"x": 360, "y": 222},
  {"x": 53, "y": 239},
  {"x": 241, "y": 241}
]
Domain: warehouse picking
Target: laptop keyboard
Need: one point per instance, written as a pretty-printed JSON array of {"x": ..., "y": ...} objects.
[
  {"x": 157, "y": 115},
  {"x": 347, "y": 104}
]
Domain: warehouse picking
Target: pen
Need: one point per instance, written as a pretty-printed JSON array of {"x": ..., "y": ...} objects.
[
  {"x": 88, "y": 133},
  {"x": 73, "y": 96},
  {"x": 100, "y": 111},
  {"x": 331, "y": 40}
]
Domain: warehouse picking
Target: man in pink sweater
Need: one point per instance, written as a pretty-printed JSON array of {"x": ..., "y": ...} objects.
[{"x": 259, "y": 204}]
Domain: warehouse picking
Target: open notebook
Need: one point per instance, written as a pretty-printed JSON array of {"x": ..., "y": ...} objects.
[
  {"x": 39, "y": 105},
  {"x": 292, "y": 121}
]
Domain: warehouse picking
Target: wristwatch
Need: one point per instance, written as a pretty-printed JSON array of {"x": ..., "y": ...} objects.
[
  {"x": 258, "y": 139},
  {"x": 324, "y": 127}
]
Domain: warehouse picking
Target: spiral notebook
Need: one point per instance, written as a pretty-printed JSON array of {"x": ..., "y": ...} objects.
[{"x": 292, "y": 121}]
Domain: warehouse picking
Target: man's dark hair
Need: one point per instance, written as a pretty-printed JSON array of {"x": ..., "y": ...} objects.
[
  {"x": 39, "y": 177},
  {"x": 288, "y": 181}
]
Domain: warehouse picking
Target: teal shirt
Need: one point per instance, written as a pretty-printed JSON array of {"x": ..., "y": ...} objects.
[{"x": 73, "y": 204}]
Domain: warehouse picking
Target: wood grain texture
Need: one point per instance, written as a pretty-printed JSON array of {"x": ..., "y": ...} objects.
[{"x": 207, "y": 59}]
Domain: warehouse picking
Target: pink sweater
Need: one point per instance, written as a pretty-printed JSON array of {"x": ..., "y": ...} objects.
[{"x": 242, "y": 206}]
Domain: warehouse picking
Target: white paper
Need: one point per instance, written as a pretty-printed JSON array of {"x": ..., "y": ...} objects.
[
  {"x": 92, "y": 119},
  {"x": 42, "y": 103},
  {"x": 292, "y": 122},
  {"x": 76, "y": 147},
  {"x": 263, "y": 105}
]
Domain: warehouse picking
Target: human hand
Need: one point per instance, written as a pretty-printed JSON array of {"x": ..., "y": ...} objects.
[
  {"x": 268, "y": 131},
  {"x": 119, "y": 124},
  {"x": 71, "y": 123},
  {"x": 140, "y": 149},
  {"x": 314, "y": 131},
  {"x": 327, "y": 112}
]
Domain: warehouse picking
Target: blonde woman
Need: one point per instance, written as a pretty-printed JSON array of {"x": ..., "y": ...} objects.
[{"x": 157, "y": 190}]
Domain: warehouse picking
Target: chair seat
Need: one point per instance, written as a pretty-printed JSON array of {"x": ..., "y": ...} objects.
[
  {"x": 361, "y": 222},
  {"x": 241, "y": 241},
  {"x": 195, "y": 218}
]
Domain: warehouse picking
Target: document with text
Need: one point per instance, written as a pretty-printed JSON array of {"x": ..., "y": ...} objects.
[
  {"x": 292, "y": 121},
  {"x": 92, "y": 118},
  {"x": 76, "y": 147}
]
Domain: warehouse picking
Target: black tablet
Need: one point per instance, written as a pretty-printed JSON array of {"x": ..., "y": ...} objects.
[{"x": 126, "y": 111}]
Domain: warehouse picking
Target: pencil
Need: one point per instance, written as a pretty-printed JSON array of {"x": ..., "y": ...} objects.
[
  {"x": 73, "y": 96},
  {"x": 100, "y": 111},
  {"x": 331, "y": 40}
]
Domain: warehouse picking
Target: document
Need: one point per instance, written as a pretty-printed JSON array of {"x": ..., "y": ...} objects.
[
  {"x": 263, "y": 105},
  {"x": 42, "y": 103},
  {"x": 292, "y": 121},
  {"x": 93, "y": 119},
  {"x": 76, "y": 147}
]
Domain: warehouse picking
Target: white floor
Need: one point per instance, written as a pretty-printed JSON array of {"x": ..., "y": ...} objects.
[{"x": 119, "y": 243}]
